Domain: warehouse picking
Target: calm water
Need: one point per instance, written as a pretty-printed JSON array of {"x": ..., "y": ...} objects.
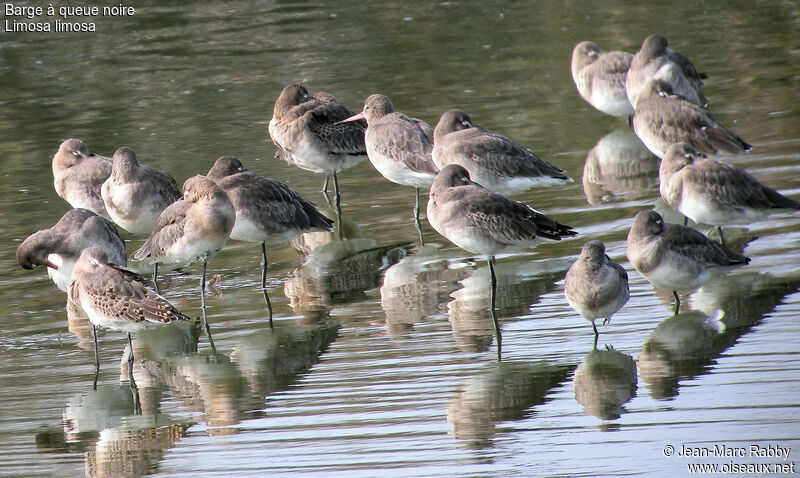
[{"x": 383, "y": 358}]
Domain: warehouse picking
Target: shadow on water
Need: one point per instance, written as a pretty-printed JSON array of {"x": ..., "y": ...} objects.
[
  {"x": 502, "y": 392},
  {"x": 687, "y": 345}
]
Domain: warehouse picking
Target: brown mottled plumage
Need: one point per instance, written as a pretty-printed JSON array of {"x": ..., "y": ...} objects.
[{"x": 116, "y": 297}]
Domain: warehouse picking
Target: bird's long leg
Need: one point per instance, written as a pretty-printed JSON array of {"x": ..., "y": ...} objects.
[
  {"x": 493, "y": 297},
  {"x": 264, "y": 281},
  {"x": 96, "y": 358},
  {"x": 155, "y": 275},
  {"x": 677, "y": 302},
  {"x": 336, "y": 196},
  {"x": 137, "y": 407},
  {"x": 685, "y": 220},
  {"x": 130, "y": 359},
  {"x": 203, "y": 306},
  {"x": 416, "y": 219},
  {"x": 721, "y": 237},
  {"x": 325, "y": 185},
  {"x": 596, "y": 334},
  {"x": 338, "y": 206}
]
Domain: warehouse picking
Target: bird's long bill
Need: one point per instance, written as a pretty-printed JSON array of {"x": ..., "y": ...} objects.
[
  {"x": 357, "y": 117},
  {"x": 50, "y": 265}
]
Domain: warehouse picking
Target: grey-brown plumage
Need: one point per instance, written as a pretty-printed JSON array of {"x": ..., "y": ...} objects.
[
  {"x": 715, "y": 193},
  {"x": 663, "y": 118},
  {"x": 304, "y": 129},
  {"x": 136, "y": 194},
  {"x": 599, "y": 77},
  {"x": 655, "y": 60},
  {"x": 595, "y": 285},
  {"x": 675, "y": 257},
  {"x": 60, "y": 246},
  {"x": 492, "y": 160},
  {"x": 484, "y": 222},
  {"x": 266, "y": 210},
  {"x": 79, "y": 174},
  {"x": 398, "y": 146},
  {"x": 192, "y": 229}
]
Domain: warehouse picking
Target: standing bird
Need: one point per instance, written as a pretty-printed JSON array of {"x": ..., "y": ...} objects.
[
  {"x": 78, "y": 176},
  {"x": 595, "y": 285},
  {"x": 663, "y": 118},
  {"x": 493, "y": 160},
  {"x": 484, "y": 222},
  {"x": 600, "y": 78},
  {"x": 400, "y": 147},
  {"x": 136, "y": 194},
  {"x": 192, "y": 229},
  {"x": 715, "y": 193},
  {"x": 60, "y": 246},
  {"x": 675, "y": 257},
  {"x": 266, "y": 210},
  {"x": 116, "y": 297},
  {"x": 655, "y": 61},
  {"x": 305, "y": 131}
]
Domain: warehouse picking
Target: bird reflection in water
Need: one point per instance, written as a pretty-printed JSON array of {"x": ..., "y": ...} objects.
[
  {"x": 337, "y": 271},
  {"x": 274, "y": 360},
  {"x": 115, "y": 439},
  {"x": 604, "y": 381},
  {"x": 619, "y": 167},
  {"x": 416, "y": 287},
  {"x": 519, "y": 286},
  {"x": 503, "y": 392},
  {"x": 686, "y": 346},
  {"x": 226, "y": 388}
]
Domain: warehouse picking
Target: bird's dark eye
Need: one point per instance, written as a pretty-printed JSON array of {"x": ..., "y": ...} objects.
[
  {"x": 240, "y": 168},
  {"x": 466, "y": 124},
  {"x": 305, "y": 96},
  {"x": 464, "y": 180},
  {"x": 76, "y": 154}
]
